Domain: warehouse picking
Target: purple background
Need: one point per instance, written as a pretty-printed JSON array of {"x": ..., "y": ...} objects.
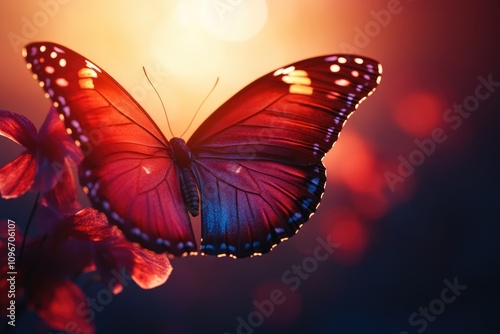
[{"x": 396, "y": 247}]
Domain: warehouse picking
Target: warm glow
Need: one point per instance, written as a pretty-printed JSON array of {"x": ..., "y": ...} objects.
[
  {"x": 417, "y": 113},
  {"x": 347, "y": 231},
  {"x": 354, "y": 163},
  {"x": 236, "y": 20},
  {"x": 410, "y": 238}
]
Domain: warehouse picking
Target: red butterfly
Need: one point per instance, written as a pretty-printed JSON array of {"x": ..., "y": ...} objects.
[{"x": 253, "y": 167}]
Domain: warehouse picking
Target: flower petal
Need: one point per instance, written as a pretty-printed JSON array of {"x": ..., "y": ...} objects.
[
  {"x": 56, "y": 142},
  {"x": 17, "y": 176},
  {"x": 18, "y": 129},
  {"x": 62, "y": 305},
  {"x": 91, "y": 225},
  {"x": 63, "y": 196},
  {"x": 150, "y": 269},
  {"x": 49, "y": 171},
  {"x": 57, "y": 152},
  {"x": 117, "y": 254}
]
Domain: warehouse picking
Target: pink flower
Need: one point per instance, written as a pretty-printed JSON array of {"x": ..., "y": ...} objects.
[
  {"x": 112, "y": 252},
  {"x": 48, "y": 154},
  {"x": 42, "y": 282},
  {"x": 73, "y": 240}
]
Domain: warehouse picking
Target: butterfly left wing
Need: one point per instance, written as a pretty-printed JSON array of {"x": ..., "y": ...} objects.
[
  {"x": 258, "y": 157},
  {"x": 128, "y": 170}
]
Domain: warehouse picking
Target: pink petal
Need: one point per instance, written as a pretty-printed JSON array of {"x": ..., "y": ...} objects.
[
  {"x": 113, "y": 255},
  {"x": 117, "y": 254},
  {"x": 17, "y": 176},
  {"x": 56, "y": 142},
  {"x": 63, "y": 196},
  {"x": 63, "y": 306},
  {"x": 56, "y": 154},
  {"x": 19, "y": 129},
  {"x": 150, "y": 269},
  {"x": 49, "y": 170},
  {"x": 91, "y": 225}
]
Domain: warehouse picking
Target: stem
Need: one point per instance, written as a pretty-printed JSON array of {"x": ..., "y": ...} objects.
[{"x": 30, "y": 219}]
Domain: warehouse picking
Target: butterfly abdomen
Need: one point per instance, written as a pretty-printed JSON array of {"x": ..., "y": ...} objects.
[{"x": 189, "y": 189}]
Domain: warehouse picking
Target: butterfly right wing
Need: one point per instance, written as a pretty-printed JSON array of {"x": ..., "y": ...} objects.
[
  {"x": 258, "y": 157},
  {"x": 128, "y": 171}
]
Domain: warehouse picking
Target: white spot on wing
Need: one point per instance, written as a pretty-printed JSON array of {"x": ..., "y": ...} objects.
[
  {"x": 285, "y": 70},
  {"x": 342, "y": 82},
  {"x": 59, "y": 50},
  {"x": 92, "y": 65},
  {"x": 335, "y": 68},
  {"x": 61, "y": 82}
]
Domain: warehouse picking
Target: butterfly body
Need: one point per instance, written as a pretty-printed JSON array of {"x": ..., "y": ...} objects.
[
  {"x": 183, "y": 160},
  {"x": 182, "y": 154},
  {"x": 253, "y": 169}
]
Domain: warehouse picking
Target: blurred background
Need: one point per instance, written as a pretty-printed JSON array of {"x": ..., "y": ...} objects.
[{"x": 404, "y": 233}]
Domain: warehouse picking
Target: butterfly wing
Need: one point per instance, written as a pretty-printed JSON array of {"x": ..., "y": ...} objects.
[
  {"x": 258, "y": 157},
  {"x": 128, "y": 171}
]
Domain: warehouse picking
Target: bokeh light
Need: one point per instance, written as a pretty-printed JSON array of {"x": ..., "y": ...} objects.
[
  {"x": 418, "y": 113},
  {"x": 346, "y": 230},
  {"x": 354, "y": 163}
]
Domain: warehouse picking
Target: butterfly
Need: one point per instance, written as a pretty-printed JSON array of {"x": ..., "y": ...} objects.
[{"x": 253, "y": 169}]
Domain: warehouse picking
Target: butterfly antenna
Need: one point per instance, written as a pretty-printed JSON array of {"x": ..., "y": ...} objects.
[
  {"x": 206, "y": 97},
  {"x": 163, "y": 106}
]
